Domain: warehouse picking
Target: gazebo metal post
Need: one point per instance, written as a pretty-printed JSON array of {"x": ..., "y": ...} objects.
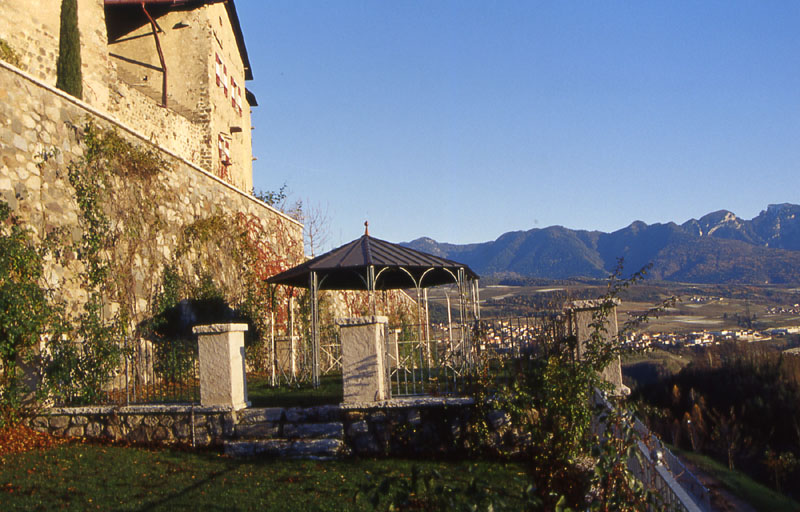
[
  {"x": 449, "y": 353},
  {"x": 273, "y": 358},
  {"x": 371, "y": 288},
  {"x": 419, "y": 339},
  {"x": 427, "y": 333},
  {"x": 293, "y": 347},
  {"x": 466, "y": 346},
  {"x": 476, "y": 308},
  {"x": 314, "y": 288},
  {"x": 476, "y": 299}
]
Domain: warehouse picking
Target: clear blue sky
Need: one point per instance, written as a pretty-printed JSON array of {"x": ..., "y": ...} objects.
[{"x": 461, "y": 120}]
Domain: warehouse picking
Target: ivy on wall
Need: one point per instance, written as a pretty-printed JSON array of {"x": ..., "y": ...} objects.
[
  {"x": 25, "y": 310},
  {"x": 141, "y": 263},
  {"x": 8, "y": 54},
  {"x": 136, "y": 263}
]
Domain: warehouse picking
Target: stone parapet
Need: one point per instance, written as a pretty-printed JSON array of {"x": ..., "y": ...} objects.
[
  {"x": 581, "y": 315},
  {"x": 364, "y": 359}
]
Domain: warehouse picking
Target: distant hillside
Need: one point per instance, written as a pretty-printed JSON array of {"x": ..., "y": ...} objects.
[{"x": 718, "y": 248}]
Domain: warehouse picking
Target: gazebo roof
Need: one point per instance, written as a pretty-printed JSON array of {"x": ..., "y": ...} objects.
[{"x": 395, "y": 266}]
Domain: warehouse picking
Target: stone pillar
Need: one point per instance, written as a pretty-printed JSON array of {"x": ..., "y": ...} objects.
[
  {"x": 222, "y": 375},
  {"x": 580, "y": 316},
  {"x": 363, "y": 359}
]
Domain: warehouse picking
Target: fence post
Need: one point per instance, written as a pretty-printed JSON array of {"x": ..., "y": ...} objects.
[
  {"x": 363, "y": 358},
  {"x": 222, "y": 373}
]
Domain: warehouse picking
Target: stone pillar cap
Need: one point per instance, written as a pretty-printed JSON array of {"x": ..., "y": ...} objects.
[
  {"x": 219, "y": 328},
  {"x": 361, "y": 320}
]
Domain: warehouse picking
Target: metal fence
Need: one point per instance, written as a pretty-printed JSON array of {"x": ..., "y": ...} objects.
[
  {"x": 666, "y": 467},
  {"x": 530, "y": 336},
  {"x": 436, "y": 359},
  {"x": 427, "y": 360},
  {"x": 165, "y": 371}
]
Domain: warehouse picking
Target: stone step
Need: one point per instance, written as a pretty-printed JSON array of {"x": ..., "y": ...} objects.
[
  {"x": 264, "y": 430},
  {"x": 332, "y": 430},
  {"x": 319, "y": 414},
  {"x": 255, "y": 415},
  {"x": 291, "y": 448},
  {"x": 271, "y": 430}
]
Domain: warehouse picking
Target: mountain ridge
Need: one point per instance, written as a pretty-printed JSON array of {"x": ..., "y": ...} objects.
[{"x": 719, "y": 247}]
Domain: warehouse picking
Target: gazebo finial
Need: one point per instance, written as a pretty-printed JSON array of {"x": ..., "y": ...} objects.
[{"x": 366, "y": 228}]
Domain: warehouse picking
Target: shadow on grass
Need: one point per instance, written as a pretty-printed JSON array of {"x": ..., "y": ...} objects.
[{"x": 196, "y": 486}]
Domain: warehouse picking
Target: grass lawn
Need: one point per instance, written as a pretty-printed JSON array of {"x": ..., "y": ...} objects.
[
  {"x": 739, "y": 484},
  {"x": 260, "y": 394},
  {"x": 103, "y": 477}
]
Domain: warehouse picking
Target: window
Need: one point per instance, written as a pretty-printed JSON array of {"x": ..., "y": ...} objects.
[
  {"x": 224, "y": 150},
  {"x": 236, "y": 96},
  {"x": 224, "y": 147},
  {"x": 221, "y": 74}
]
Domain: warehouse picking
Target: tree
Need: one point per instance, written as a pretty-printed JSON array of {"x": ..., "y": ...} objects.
[
  {"x": 315, "y": 228},
  {"x": 727, "y": 432},
  {"x": 68, "y": 65},
  {"x": 781, "y": 464}
]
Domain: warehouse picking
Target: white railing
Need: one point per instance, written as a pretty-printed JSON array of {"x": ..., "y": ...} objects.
[{"x": 658, "y": 469}]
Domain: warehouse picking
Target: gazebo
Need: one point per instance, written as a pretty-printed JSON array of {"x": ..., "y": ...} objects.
[{"x": 370, "y": 264}]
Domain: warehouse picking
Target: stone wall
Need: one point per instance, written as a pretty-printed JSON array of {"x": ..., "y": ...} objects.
[
  {"x": 396, "y": 304},
  {"x": 164, "y": 424},
  {"x": 426, "y": 427},
  {"x": 164, "y": 127},
  {"x": 32, "y": 29},
  {"x": 406, "y": 428},
  {"x": 40, "y": 131}
]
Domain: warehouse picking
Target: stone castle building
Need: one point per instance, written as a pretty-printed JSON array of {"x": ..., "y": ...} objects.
[
  {"x": 172, "y": 70},
  {"x": 168, "y": 76}
]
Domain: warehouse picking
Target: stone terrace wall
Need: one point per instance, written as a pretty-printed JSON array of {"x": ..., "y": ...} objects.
[
  {"x": 425, "y": 427},
  {"x": 422, "y": 429},
  {"x": 35, "y": 119},
  {"x": 176, "y": 424}
]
